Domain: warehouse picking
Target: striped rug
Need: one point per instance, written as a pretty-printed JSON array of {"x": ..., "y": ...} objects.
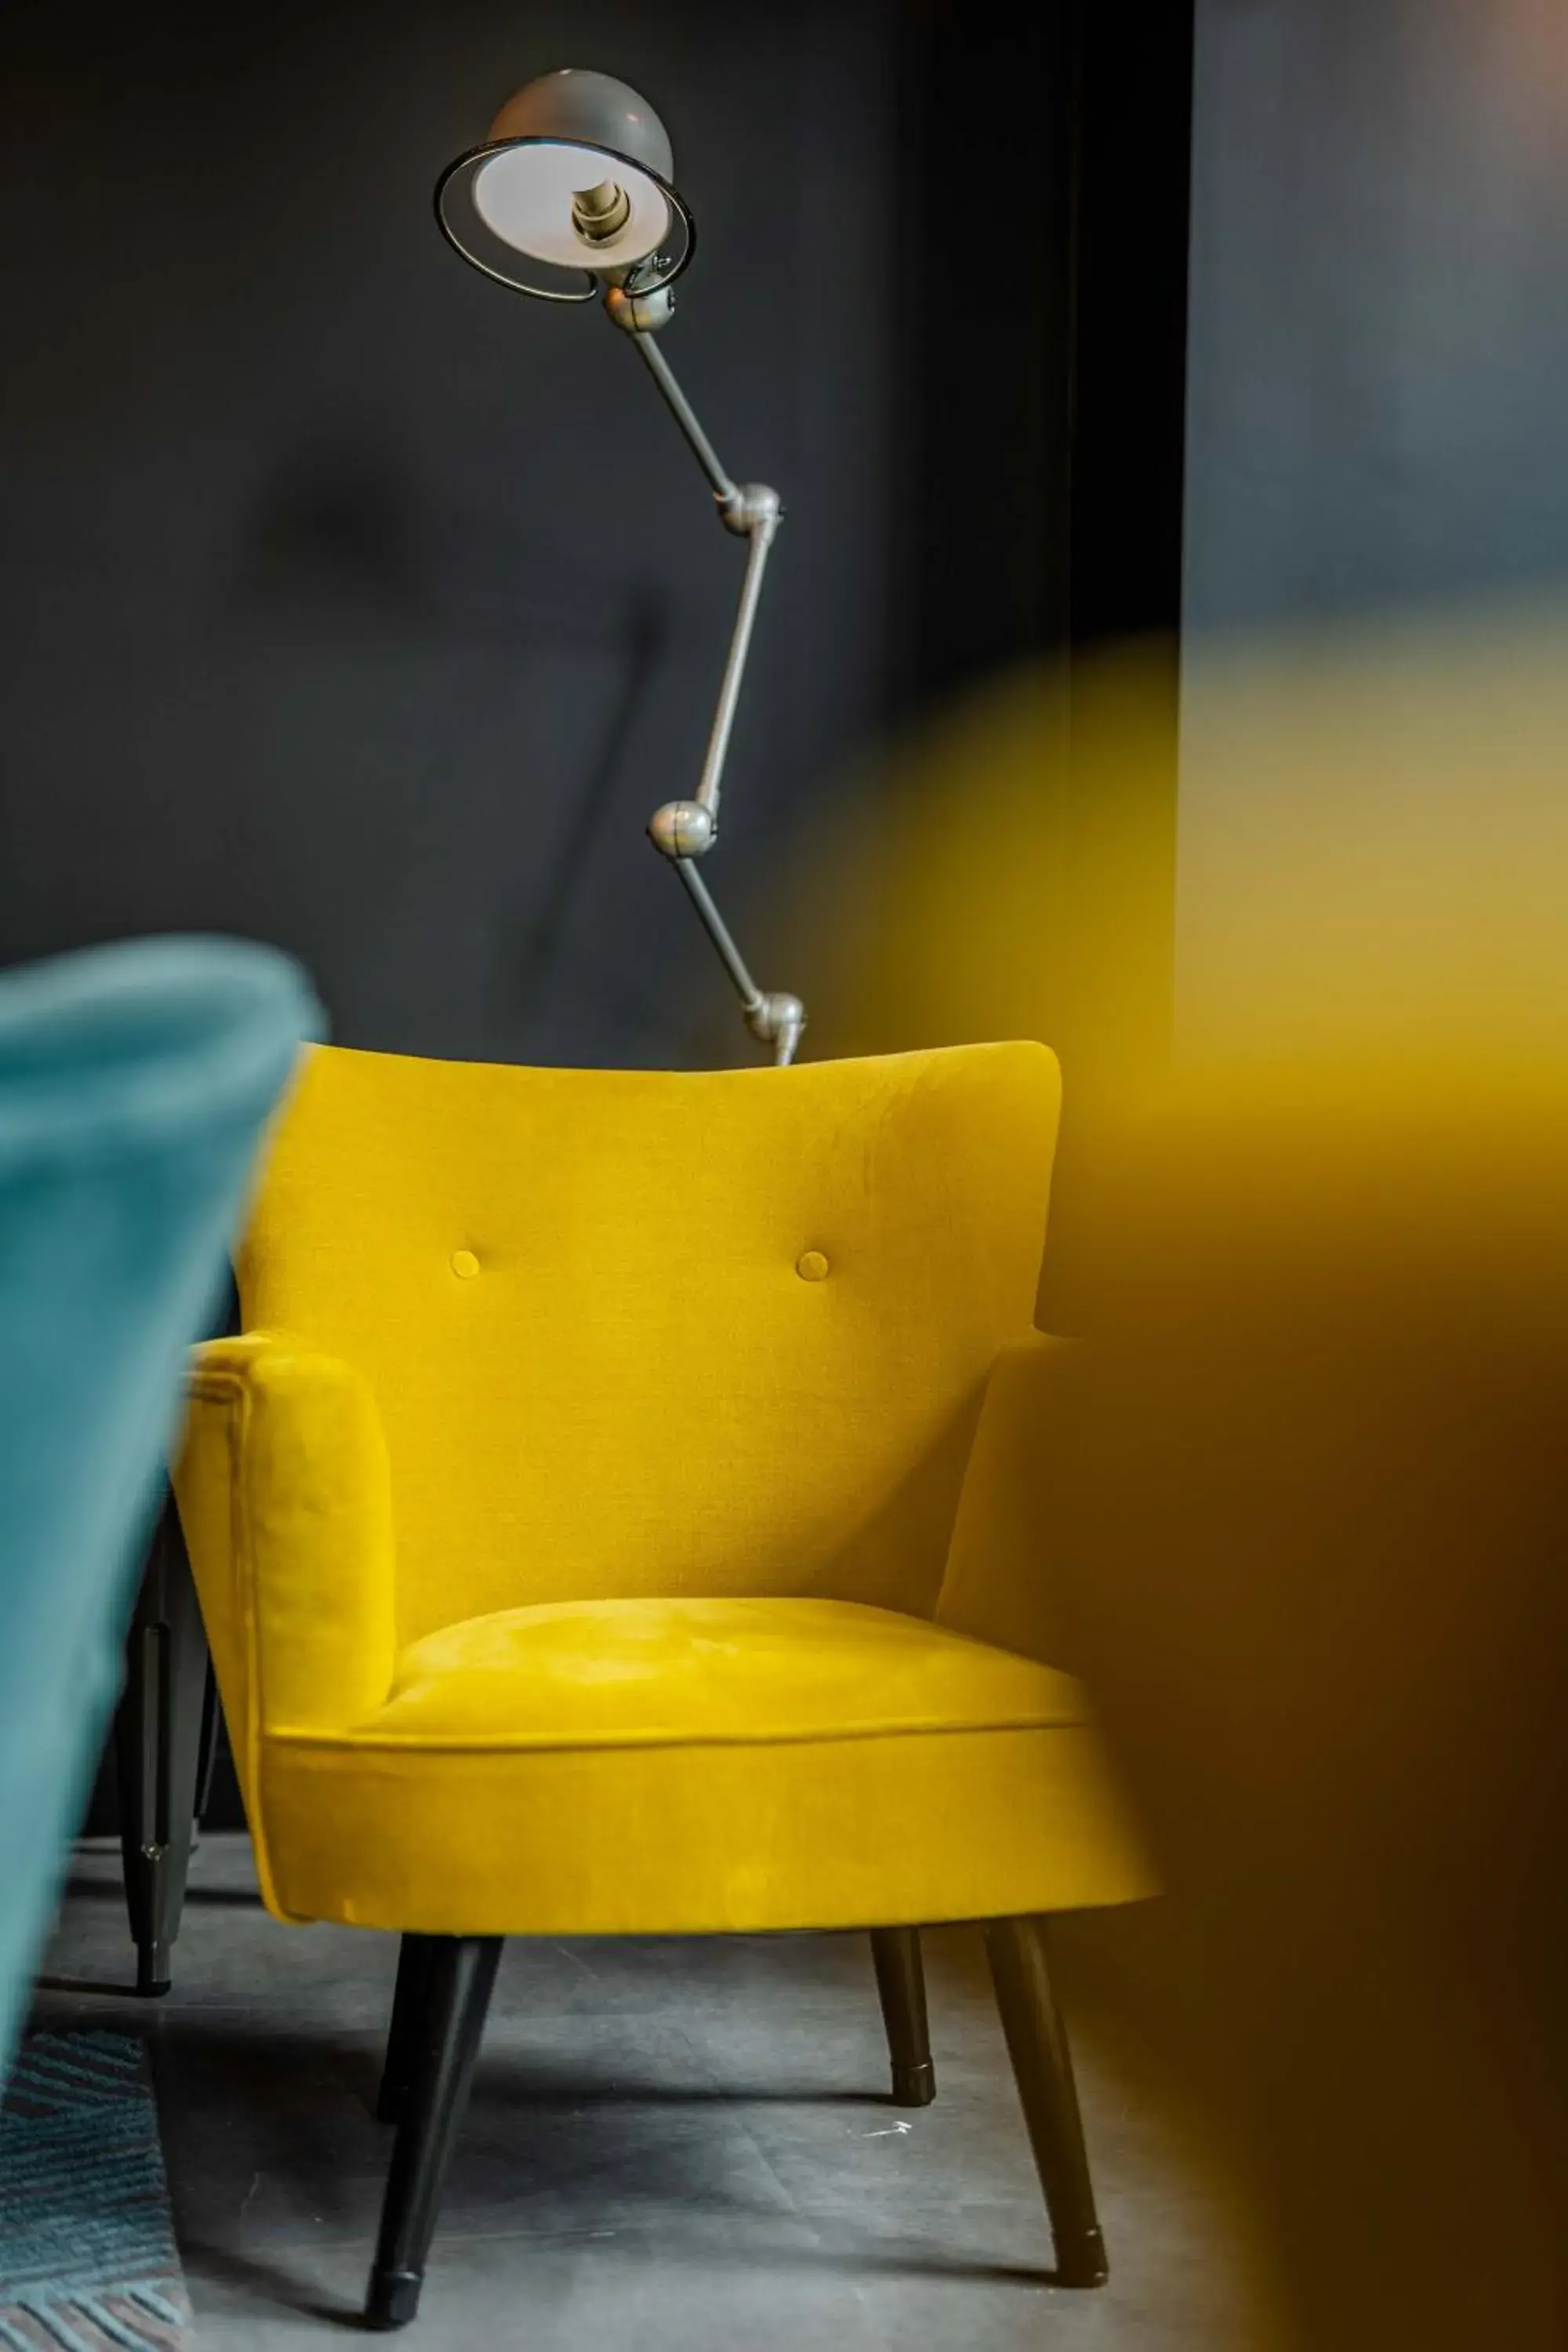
[{"x": 87, "y": 2250}]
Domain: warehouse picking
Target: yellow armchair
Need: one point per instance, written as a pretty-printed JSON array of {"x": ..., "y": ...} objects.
[{"x": 617, "y": 1520}]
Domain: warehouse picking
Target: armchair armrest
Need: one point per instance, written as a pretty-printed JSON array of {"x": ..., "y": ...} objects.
[
  {"x": 996, "y": 1585},
  {"x": 285, "y": 1499}
]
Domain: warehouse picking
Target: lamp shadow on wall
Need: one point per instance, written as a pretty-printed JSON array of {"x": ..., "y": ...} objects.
[
  {"x": 342, "y": 548},
  {"x": 643, "y": 643},
  {"x": 335, "y": 526}
]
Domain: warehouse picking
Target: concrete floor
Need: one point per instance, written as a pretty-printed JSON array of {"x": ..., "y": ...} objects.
[{"x": 673, "y": 2146}]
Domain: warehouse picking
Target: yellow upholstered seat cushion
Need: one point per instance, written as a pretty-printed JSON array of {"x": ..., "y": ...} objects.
[
  {"x": 590, "y": 1674},
  {"x": 639, "y": 1767}
]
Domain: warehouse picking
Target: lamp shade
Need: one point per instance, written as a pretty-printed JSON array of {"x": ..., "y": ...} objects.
[{"x": 574, "y": 175}]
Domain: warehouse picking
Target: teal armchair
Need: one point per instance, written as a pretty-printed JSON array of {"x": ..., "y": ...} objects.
[{"x": 134, "y": 1085}]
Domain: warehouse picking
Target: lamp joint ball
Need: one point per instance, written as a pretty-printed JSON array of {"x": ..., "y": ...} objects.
[
  {"x": 778, "y": 1020},
  {"x": 752, "y": 509},
  {"x": 683, "y": 829},
  {"x": 641, "y": 314}
]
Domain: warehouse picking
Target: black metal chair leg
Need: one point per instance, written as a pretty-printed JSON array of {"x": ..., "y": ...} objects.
[
  {"x": 408, "y": 2003},
  {"x": 158, "y": 1749},
  {"x": 901, "y": 1982},
  {"x": 1042, "y": 2063},
  {"x": 459, "y": 1973}
]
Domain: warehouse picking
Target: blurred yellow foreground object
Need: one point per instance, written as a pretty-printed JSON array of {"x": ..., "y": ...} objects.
[{"x": 1304, "y": 1486}]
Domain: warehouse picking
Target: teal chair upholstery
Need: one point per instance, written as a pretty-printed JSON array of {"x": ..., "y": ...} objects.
[{"x": 134, "y": 1085}]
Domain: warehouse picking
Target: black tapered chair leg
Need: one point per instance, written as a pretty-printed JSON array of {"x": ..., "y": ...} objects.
[
  {"x": 1042, "y": 2063},
  {"x": 403, "y": 2035},
  {"x": 459, "y": 1971},
  {"x": 206, "y": 1753},
  {"x": 158, "y": 1738},
  {"x": 901, "y": 1982}
]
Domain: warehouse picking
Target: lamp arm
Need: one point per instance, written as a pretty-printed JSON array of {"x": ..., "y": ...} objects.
[
  {"x": 680, "y": 407},
  {"x": 684, "y": 831}
]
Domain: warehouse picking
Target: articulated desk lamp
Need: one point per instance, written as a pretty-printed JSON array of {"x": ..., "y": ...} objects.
[{"x": 574, "y": 182}]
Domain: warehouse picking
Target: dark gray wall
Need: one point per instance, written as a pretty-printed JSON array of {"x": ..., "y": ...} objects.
[
  {"x": 1377, "y": 499},
  {"x": 1378, "y": 340},
  {"x": 350, "y": 602}
]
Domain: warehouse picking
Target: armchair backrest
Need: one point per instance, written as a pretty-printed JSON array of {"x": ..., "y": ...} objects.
[{"x": 651, "y": 1332}]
